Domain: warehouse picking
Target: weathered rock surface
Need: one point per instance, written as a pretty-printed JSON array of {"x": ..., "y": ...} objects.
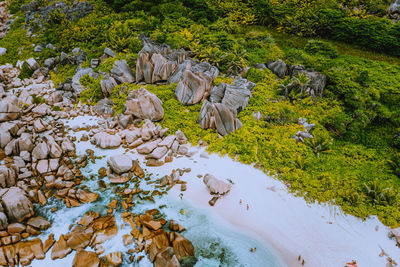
[
  {"x": 157, "y": 62},
  {"x": 216, "y": 186},
  {"x": 85, "y": 258},
  {"x": 279, "y": 68},
  {"x": 195, "y": 83},
  {"x": 107, "y": 84},
  {"x": 17, "y": 205},
  {"x": 120, "y": 163},
  {"x": 9, "y": 109},
  {"x": 217, "y": 116},
  {"x": 105, "y": 140},
  {"x": 144, "y": 105},
  {"x": 121, "y": 72}
]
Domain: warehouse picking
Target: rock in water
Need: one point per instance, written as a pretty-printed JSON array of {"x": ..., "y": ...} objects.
[
  {"x": 16, "y": 205},
  {"x": 216, "y": 186},
  {"x": 85, "y": 258},
  {"x": 217, "y": 116},
  {"x": 182, "y": 247},
  {"x": 195, "y": 83},
  {"x": 144, "y": 105},
  {"x": 120, "y": 163}
]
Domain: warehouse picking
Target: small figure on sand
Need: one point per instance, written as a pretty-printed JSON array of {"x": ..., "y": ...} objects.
[
  {"x": 253, "y": 249},
  {"x": 247, "y": 206},
  {"x": 391, "y": 262},
  {"x": 353, "y": 263},
  {"x": 181, "y": 195},
  {"x": 302, "y": 262},
  {"x": 240, "y": 202}
]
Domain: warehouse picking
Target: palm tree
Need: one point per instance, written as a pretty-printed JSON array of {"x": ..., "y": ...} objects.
[
  {"x": 285, "y": 85},
  {"x": 302, "y": 81}
]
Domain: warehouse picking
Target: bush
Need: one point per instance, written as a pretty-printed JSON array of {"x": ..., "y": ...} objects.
[
  {"x": 317, "y": 47},
  {"x": 25, "y": 72}
]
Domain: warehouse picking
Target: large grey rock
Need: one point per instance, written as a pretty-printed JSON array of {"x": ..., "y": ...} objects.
[
  {"x": 107, "y": 84},
  {"x": 104, "y": 107},
  {"x": 9, "y": 109},
  {"x": 144, "y": 105},
  {"x": 8, "y": 176},
  {"x": 177, "y": 74},
  {"x": 147, "y": 148},
  {"x": 158, "y": 153},
  {"x": 5, "y": 137},
  {"x": 217, "y": 116},
  {"x": 120, "y": 163},
  {"x": 195, "y": 84},
  {"x": 105, "y": 140},
  {"x": 33, "y": 65},
  {"x": 394, "y": 9},
  {"x": 279, "y": 68},
  {"x": 122, "y": 73},
  {"x": 16, "y": 205},
  {"x": 41, "y": 151},
  {"x": 216, "y": 186},
  {"x": 237, "y": 95},
  {"x": 157, "y": 62}
]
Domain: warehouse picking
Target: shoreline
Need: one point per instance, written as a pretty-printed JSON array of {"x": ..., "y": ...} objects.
[{"x": 321, "y": 234}]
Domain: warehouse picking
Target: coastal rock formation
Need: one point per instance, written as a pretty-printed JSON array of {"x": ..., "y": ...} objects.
[
  {"x": 120, "y": 163},
  {"x": 216, "y": 186},
  {"x": 144, "y": 105},
  {"x": 156, "y": 62},
  {"x": 105, "y": 140},
  {"x": 16, "y": 205},
  {"x": 122, "y": 73},
  {"x": 9, "y": 109},
  {"x": 217, "y": 116},
  {"x": 195, "y": 83}
]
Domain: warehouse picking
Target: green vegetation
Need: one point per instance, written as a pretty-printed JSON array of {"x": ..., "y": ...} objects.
[
  {"x": 352, "y": 162},
  {"x": 25, "y": 72}
]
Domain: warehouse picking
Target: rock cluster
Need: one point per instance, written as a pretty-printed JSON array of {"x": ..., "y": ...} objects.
[
  {"x": 226, "y": 101},
  {"x": 157, "y": 63},
  {"x": 195, "y": 83},
  {"x": 144, "y": 105},
  {"x": 40, "y": 16},
  {"x": 317, "y": 80}
]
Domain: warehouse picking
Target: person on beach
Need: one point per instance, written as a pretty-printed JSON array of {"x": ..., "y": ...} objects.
[
  {"x": 247, "y": 206},
  {"x": 351, "y": 264}
]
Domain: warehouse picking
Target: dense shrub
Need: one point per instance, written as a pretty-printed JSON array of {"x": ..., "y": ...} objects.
[{"x": 322, "y": 48}]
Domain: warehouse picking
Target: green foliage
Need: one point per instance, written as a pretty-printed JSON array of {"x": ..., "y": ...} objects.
[
  {"x": 25, "y": 72},
  {"x": 322, "y": 48},
  {"x": 63, "y": 72},
  {"x": 318, "y": 144},
  {"x": 37, "y": 100},
  {"x": 394, "y": 164},
  {"x": 92, "y": 92}
]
